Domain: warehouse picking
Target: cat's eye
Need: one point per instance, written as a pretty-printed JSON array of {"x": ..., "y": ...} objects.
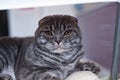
[
  {"x": 68, "y": 32},
  {"x": 48, "y": 33}
]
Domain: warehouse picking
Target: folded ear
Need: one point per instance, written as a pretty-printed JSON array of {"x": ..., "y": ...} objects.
[
  {"x": 41, "y": 23},
  {"x": 47, "y": 18},
  {"x": 75, "y": 20},
  {"x": 37, "y": 32}
]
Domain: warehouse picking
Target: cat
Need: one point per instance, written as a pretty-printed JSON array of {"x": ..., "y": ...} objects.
[{"x": 52, "y": 54}]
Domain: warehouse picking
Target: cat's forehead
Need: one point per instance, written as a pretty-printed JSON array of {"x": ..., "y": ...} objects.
[{"x": 58, "y": 22}]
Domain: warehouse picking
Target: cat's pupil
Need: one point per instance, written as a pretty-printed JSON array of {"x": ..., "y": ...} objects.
[
  {"x": 48, "y": 33},
  {"x": 68, "y": 32}
]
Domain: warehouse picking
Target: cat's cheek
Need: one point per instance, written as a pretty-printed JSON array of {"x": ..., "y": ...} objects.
[
  {"x": 78, "y": 40},
  {"x": 49, "y": 45},
  {"x": 66, "y": 45},
  {"x": 41, "y": 40},
  {"x": 75, "y": 40}
]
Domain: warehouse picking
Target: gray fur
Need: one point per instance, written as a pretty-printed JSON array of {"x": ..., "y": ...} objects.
[{"x": 53, "y": 53}]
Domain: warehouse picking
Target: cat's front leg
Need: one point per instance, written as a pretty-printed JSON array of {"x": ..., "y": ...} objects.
[
  {"x": 88, "y": 66},
  {"x": 5, "y": 77},
  {"x": 49, "y": 75}
]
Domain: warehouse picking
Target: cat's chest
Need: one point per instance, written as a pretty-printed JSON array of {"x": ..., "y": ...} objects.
[{"x": 67, "y": 69}]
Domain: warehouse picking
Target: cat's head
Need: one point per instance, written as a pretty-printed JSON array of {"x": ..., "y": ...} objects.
[{"x": 58, "y": 33}]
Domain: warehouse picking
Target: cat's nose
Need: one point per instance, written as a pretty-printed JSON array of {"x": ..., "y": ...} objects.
[{"x": 58, "y": 39}]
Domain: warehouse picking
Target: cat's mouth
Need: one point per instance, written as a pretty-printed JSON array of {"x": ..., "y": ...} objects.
[
  {"x": 58, "y": 48},
  {"x": 61, "y": 50}
]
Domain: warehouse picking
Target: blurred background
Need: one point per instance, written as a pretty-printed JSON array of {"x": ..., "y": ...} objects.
[{"x": 96, "y": 20}]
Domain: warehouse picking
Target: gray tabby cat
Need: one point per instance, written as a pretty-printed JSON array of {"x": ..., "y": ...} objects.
[{"x": 53, "y": 54}]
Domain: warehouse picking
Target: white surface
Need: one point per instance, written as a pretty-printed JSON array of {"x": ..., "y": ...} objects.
[
  {"x": 83, "y": 75},
  {"x": 12, "y": 4}
]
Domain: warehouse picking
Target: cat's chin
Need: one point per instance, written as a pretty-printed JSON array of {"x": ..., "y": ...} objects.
[{"x": 60, "y": 50}]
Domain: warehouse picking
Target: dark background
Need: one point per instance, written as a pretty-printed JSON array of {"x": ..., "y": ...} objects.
[{"x": 3, "y": 23}]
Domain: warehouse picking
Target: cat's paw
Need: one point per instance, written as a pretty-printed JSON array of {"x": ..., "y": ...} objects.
[
  {"x": 50, "y": 76},
  {"x": 89, "y": 66},
  {"x": 5, "y": 77},
  {"x": 47, "y": 76}
]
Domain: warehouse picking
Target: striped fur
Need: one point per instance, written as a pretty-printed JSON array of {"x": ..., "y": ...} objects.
[{"x": 52, "y": 54}]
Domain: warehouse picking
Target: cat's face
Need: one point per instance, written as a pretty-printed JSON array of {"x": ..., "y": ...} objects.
[{"x": 58, "y": 33}]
